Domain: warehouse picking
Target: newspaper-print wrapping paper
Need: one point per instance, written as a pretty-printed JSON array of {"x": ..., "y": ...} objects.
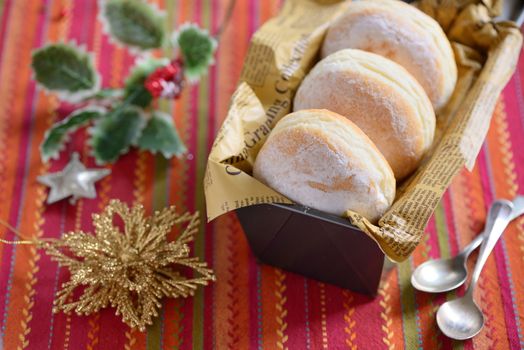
[{"x": 284, "y": 49}]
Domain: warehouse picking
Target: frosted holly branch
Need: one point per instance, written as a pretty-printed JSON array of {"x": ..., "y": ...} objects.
[{"x": 121, "y": 118}]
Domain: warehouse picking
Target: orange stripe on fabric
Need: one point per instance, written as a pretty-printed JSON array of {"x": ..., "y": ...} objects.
[
  {"x": 222, "y": 331},
  {"x": 234, "y": 43},
  {"x": 141, "y": 339},
  {"x": 349, "y": 308},
  {"x": 269, "y": 10},
  {"x": 78, "y": 226},
  {"x": 233, "y": 266},
  {"x": 269, "y": 313},
  {"x": 486, "y": 295},
  {"x": 26, "y": 266},
  {"x": 31, "y": 221},
  {"x": 323, "y": 319},
  {"x": 389, "y": 300},
  {"x": 227, "y": 327},
  {"x": 130, "y": 335},
  {"x": 280, "y": 309},
  {"x": 467, "y": 200},
  {"x": 138, "y": 193},
  {"x": 471, "y": 184},
  {"x": 505, "y": 178},
  {"x": 17, "y": 44},
  {"x": 467, "y": 205},
  {"x": 241, "y": 276},
  {"x": 177, "y": 195},
  {"x": 233, "y": 47},
  {"x": 425, "y": 307},
  {"x": 93, "y": 332},
  {"x": 173, "y": 317},
  {"x": 228, "y": 330},
  {"x": 143, "y": 183},
  {"x": 94, "y": 329},
  {"x": 463, "y": 199},
  {"x": 489, "y": 290},
  {"x": 86, "y": 153},
  {"x": 116, "y": 68},
  {"x": 56, "y": 31},
  {"x": 140, "y": 174},
  {"x": 105, "y": 187},
  {"x": 94, "y": 319},
  {"x": 173, "y": 314},
  {"x": 139, "y": 185}
]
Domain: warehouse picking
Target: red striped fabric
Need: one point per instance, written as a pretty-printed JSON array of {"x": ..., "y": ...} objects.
[{"x": 250, "y": 306}]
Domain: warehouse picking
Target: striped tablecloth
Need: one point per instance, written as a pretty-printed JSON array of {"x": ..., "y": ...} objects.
[{"x": 250, "y": 306}]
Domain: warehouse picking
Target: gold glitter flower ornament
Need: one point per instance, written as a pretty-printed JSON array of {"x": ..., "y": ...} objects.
[{"x": 128, "y": 263}]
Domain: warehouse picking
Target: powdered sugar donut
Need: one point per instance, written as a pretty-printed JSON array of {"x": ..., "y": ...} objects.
[
  {"x": 322, "y": 160},
  {"x": 402, "y": 33},
  {"x": 380, "y": 97}
]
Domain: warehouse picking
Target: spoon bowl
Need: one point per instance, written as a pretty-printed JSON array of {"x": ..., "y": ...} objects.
[
  {"x": 443, "y": 275},
  {"x": 440, "y": 275},
  {"x": 460, "y": 318}
]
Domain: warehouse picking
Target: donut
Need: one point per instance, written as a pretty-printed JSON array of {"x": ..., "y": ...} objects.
[
  {"x": 322, "y": 160},
  {"x": 402, "y": 33},
  {"x": 380, "y": 97}
]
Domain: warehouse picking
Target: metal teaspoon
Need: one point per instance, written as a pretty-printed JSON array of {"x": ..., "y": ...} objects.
[
  {"x": 442, "y": 275},
  {"x": 461, "y": 318}
]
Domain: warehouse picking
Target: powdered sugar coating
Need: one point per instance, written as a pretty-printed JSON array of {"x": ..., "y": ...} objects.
[
  {"x": 403, "y": 34},
  {"x": 321, "y": 160},
  {"x": 380, "y": 97}
]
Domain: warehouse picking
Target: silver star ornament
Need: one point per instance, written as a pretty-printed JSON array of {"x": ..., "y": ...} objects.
[{"x": 75, "y": 181}]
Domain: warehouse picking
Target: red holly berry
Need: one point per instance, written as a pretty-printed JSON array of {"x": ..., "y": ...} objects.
[{"x": 166, "y": 81}]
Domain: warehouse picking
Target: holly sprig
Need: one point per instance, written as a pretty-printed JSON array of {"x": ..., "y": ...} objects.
[{"x": 119, "y": 119}]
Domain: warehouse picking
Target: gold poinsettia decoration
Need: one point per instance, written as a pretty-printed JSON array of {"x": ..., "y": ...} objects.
[{"x": 128, "y": 263}]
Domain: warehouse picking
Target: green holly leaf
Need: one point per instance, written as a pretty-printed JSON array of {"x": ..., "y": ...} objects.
[
  {"x": 134, "y": 90},
  {"x": 160, "y": 135},
  {"x": 113, "y": 134},
  {"x": 65, "y": 69},
  {"x": 197, "y": 48},
  {"x": 58, "y": 134},
  {"x": 134, "y": 23}
]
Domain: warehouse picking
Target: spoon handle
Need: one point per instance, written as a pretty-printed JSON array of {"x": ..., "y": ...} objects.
[
  {"x": 499, "y": 217},
  {"x": 518, "y": 207},
  {"x": 474, "y": 244},
  {"x": 518, "y": 210}
]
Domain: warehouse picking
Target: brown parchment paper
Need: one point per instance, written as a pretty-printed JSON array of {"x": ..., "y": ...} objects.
[{"x": 286, "y": 47}]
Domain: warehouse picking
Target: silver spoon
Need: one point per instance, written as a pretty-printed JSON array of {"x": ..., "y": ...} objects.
[
  {"x": 442, "y": 275},
  {"x": 461, "y": 318}
]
